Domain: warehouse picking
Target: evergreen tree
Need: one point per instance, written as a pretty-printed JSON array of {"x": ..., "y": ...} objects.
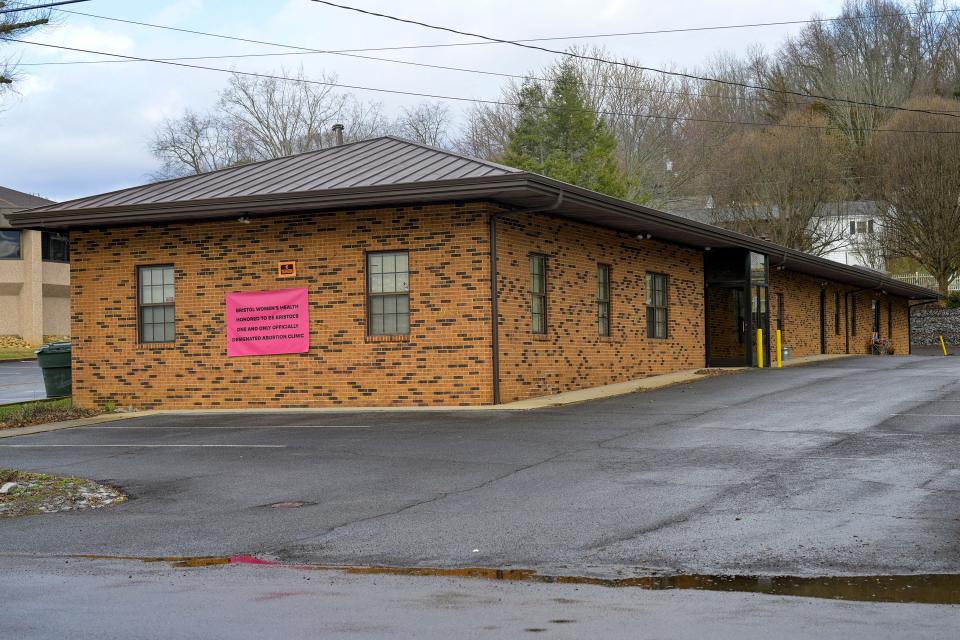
[{"x": 557, "y": 135}]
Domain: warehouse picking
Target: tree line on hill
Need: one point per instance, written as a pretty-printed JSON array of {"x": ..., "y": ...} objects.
[{"x": 767, "y": 152}]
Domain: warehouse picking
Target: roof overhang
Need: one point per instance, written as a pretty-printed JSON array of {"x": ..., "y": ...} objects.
[{"x": 521, "y": 190}]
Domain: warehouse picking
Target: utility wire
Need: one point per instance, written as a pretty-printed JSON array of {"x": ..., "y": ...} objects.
[
  {"x": 499, "y": 74},
  {"x": 436, "y": 96},
  {"x": 40, "y": 6},
  {"x": 354, "y": 53},
  {"x": 679, "y": 74},
  {"x": 555, "y": 38}
]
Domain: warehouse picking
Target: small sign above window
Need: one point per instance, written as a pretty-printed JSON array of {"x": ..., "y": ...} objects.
[{"x": 287, "y": 269}]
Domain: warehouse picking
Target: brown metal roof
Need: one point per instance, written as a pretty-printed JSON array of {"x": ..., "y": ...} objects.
[
  {"x": 377, "y": 162},
  {"x": 390, "y": 171},
  {"x": 12, "y": 199}
]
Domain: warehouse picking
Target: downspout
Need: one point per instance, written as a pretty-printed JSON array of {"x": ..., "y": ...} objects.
[{"x": 494, "y": 292}]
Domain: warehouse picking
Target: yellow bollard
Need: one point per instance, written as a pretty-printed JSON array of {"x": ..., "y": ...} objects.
[
  {"x": 779, "y": 351},
  {"x": 943, "y": 345},
  {"x": 760, "y": 348}
]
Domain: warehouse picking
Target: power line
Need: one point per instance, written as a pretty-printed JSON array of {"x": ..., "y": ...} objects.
[
  {"x": 353, "y": 53},
  {"x": 455, "y": 98},
  {"x": 680, "y": 74},
  {"x": 426, "y": 65},
  {"x": 41, "y": 6},
  {"x": 554, "y": 38}
]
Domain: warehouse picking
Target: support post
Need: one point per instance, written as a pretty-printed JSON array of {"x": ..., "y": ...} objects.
[
  {"x": 760, "y": 348},
  {"x": 943, "y": 345},
  {"x": 779, "y": 351}
]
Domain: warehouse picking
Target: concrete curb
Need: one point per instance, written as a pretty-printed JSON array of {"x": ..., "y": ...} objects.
[
  {"x": 70, "y": 424},
  {"x": 561, "y": 399},
  {"x": 817, "y": 359}
]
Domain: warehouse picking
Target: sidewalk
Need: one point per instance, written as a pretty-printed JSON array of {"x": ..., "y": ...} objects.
[
  {"x": 570, "y": 397},
  {"x": 648, "y": 384}
]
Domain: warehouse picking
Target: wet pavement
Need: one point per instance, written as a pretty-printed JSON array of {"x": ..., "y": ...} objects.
[
  {"x": 21, "y": 381},
  {"x": 786, "y": 479},
  {"x": 97, "y": 599}
]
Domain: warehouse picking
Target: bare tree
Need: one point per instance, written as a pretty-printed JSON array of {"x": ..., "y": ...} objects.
[
  {"x": 775, "y": 182},
  {"x": 272, "y": 118},
  {"x": 876, "y": 51},
  {"x": 919, "y": 176},
  {"x": 642, "y": 111},
  {"x": 16, "y": 25},
  {"x": 488, "y": 126},
  {"x": 427, "y": 123},
  {"x": 195, "y": 143},
  {"x": 258, "y": 118},
  {"x": 871, "y": 248}
]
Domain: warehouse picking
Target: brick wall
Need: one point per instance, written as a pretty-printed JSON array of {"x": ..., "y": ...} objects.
[
  {"x": 801, "y": 323},
  {"x": 572, "y": 354},
  {"x": 445, "y": 361}
]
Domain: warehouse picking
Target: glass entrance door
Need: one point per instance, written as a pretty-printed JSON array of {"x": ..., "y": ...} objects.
[
  {"x": 727, "y": 326},
  {"x": 737, "y": 305},
  {"x": 760, "y": 309},
  {"x": 760, "y": 317}
]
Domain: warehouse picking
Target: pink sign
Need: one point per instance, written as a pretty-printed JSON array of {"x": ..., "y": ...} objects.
[{"x": 268, "y": 322}]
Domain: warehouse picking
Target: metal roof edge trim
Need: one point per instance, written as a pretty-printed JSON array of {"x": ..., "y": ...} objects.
[
  {"x": 352, "y": 197},
  {"x": 484, "y": 187}
]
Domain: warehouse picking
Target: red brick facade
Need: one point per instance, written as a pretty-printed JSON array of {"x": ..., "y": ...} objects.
[
  {"x": 447, "y": 358},
  {"x": 801, "y": 323},
  {"x": 572, "y": 354}
]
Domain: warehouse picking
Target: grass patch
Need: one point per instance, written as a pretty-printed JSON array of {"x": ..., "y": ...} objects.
[
  {"x": 36, "y": 493},
  {"x": 25, "y": 414},
  {"x": 17, "y": 354}
]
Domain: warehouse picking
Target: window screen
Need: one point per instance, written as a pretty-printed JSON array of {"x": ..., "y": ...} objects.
[
  {"x": 54, "y": 247},
  {"x": 156, "y": 303},
  {"x": 656, "y": 305},
  {"x": 388, "y": 291},
  {"x": 538, "y": 293},
  {"x": 603, "y": 299}
]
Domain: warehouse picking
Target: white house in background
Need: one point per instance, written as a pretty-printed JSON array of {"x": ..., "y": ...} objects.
[
  {"x": 857, "y": 222},
  {"x": 854, "y": 223}
]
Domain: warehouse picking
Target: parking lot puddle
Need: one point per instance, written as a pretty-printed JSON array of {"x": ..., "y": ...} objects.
[
  {"x": 930, "y": 588},
  {"x": 920, "y": 588}
]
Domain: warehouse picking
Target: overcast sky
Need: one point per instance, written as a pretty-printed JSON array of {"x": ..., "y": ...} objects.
[{"x": 76, "y": 130}]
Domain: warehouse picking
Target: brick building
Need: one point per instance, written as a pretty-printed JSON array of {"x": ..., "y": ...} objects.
[{"x": 395, "y": 246}]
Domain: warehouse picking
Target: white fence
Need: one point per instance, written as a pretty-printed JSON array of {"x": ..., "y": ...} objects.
[{"x": 924, "y": 280}]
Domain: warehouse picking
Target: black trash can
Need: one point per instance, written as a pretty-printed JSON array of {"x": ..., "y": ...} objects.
[{"x": 54, "y": 361}]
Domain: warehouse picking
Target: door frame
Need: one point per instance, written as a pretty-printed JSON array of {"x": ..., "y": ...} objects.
[
  {"x": 823, "y": 321},
  {"x": 745, "y": 317}
]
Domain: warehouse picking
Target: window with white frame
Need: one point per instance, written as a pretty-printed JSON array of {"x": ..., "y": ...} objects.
[
  {"x": 156, "y": 299},
  {"x": 388, "y": 293}
]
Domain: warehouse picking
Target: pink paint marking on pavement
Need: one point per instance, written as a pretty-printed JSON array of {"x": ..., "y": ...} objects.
[{"x": 244, "y": 558}]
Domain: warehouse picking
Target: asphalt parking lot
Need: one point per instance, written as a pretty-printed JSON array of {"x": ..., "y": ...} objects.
[
  {"x": 851, "y": 466},
  {"x": 20, "y": 381}
]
